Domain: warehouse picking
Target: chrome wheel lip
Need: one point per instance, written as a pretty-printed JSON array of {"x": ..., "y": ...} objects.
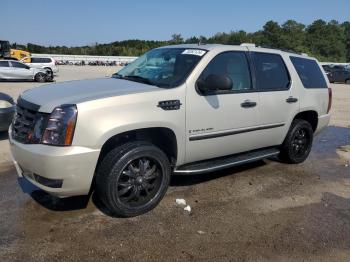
[{"x": 138, "y": 185}]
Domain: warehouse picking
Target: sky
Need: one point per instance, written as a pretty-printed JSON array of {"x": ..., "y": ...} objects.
[{"x": 84, "y": 22}]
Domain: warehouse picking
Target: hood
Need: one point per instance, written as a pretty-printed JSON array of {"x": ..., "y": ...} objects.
[{"x": 74, "y": 92}]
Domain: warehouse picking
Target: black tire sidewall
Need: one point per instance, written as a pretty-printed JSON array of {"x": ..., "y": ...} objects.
[
  {"x": 287, "y": 153},
  {"x": 108, "y": 188},
  {"x": 36, "y": 77}
]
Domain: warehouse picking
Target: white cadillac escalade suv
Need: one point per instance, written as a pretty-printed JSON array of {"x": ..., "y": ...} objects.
[{"x": 184, "y": 109}]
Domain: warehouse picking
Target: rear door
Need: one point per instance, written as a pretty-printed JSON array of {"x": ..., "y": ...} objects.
[{"x": 278, "y": 97}]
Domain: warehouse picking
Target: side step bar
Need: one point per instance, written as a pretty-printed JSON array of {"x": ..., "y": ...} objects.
[{"x": 215, "y": 164}]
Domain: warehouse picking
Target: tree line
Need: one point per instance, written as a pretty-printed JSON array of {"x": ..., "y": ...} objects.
[{"x": 327, "y": 41}]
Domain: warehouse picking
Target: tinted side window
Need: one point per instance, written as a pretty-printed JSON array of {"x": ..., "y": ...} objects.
[
  {"x": 271, "y": 72},
  {"x": 4, "y": 64},
  {"x": 35, "y": 60},
  {"x": 234, "y": 65},
  {"x": 18, "y": 65},
  {"x": 46, "y": 60},
  {"x": 309, "y": 72}
]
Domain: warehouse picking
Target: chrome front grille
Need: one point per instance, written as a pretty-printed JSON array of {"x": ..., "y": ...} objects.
[{"x": 23, "y": 124}]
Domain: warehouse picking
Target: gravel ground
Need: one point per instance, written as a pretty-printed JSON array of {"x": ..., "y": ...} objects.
[{"x": 266, "y": 211}]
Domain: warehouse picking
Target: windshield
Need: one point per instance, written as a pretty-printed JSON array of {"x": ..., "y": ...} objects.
[{"x": 163, "y": 67}]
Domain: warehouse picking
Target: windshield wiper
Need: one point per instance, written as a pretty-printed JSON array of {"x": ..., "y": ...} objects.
[
  {"x": 139, "y": 79},
  {"x": 134, "y": 78}
]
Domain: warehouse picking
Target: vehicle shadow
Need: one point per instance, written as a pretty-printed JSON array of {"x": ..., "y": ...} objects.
[
  {"x": 15, "y": 80},
  {"x": 188, "y": 180},
  {"x": 81, "y": 202},
  {"x": 51, "y": 202},
  {"x": 3, "y": 135},
  {"x": 60, "y": 204}
]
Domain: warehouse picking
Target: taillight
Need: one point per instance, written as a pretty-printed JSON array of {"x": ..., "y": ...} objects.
[{"x": 329, "y": 99}]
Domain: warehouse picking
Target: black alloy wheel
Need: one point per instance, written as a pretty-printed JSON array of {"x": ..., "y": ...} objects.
[
  {"x": 298, "y": 142},
  {"x": 139, "y": 182},
  {"x": 133, "y": 178}
]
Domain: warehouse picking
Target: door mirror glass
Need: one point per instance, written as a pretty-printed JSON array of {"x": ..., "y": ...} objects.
[{"x": 214, "y": 83}]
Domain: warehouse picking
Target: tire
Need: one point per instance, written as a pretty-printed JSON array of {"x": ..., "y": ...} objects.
[
  {"x": 40, "y": 77},
  {"x": 133, "y": 178},
  {"x": 347, "y": 81},
  {"x": 298, "y": 142}
]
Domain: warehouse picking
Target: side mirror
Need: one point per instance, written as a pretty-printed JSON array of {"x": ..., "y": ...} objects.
[{"x": 214, "y": 83}]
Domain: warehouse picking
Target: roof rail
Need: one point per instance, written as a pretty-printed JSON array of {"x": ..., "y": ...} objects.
[
  {"x": 248, "y": 44},
  {"x": 281, "y": 49}
]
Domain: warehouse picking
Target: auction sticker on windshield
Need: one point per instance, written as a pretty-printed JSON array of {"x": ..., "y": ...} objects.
[{"x": 197, "y": 52}]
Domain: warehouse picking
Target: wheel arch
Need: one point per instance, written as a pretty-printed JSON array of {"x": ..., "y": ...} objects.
[
  {"x": 162, "y": 137},
  {"x": 310, "y": 116}
]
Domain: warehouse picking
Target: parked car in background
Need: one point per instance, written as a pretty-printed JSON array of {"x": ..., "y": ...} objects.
[
  {"x": 7, "y": 110},
  {"x": 337, "y": 74},
  {"x": 47, "y": 63},
  {"x": 15, "y": 70}
]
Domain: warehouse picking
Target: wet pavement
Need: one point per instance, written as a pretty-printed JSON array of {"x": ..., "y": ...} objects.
[{"x": 265, "y": 211}]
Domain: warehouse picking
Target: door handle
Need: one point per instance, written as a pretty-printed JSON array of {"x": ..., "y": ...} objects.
[
  {"x": 291, "y": 100},
  {"x": 248, "y": 104}
]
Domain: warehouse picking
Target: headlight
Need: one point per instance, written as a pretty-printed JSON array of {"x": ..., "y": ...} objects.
[
  {"x": 5, "y": 104},
  {"x": 60, "y": 126}
]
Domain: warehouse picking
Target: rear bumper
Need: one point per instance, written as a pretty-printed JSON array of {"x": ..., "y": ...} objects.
[
  {"x": 60, "y": 171},
  {"x": 6, "y": 116},
  {"x": 323, "y": 121}
]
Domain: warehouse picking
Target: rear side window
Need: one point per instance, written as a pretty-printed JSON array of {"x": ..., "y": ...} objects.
[
  {"x": 35, "y": 60},
  {"x": 46, "y": 60},
  {"x": 309, "y": 72},
  {"x": 4, "y": 64},
  {"x": 271, "y": 72},
  {"x": 41, "y": 60}
]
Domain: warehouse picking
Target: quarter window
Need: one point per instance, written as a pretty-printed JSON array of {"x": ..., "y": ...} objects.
[
  {"x": 232, "y": 64},
  {"x": 271, "y": 72},
  {"x": 309, "y": 72}
]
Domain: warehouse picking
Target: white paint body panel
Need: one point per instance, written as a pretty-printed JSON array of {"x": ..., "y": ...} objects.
[{"x": 108, "y": 107}]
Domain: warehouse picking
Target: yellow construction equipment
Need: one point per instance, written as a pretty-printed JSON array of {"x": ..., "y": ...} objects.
[{"x": 8, "y": 53}]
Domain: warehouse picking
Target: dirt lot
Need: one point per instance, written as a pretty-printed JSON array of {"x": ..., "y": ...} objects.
[{"x": 266, "y": 211}]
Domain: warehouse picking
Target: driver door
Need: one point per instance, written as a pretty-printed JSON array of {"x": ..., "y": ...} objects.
[
  {"x": 21, "y": 71},
  {"x": 221, "y": 123}
]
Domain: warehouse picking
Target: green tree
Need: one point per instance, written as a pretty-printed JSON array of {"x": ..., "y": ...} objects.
[
  {"x": 272, "y": 34},
  {"x": 326, "y": 40},
  {"x": 176, "y": 39},
  {"x": 346, "y": 28},
  {"x": 293, "y": 36}
]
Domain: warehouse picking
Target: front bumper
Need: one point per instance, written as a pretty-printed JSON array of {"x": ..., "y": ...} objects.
[
  {"x": 6, "y": 116},
  {"x": 74, "y": 166}
]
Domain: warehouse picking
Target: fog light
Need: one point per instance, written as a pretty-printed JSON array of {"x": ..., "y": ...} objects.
[{"x": 53, "y": 183}]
